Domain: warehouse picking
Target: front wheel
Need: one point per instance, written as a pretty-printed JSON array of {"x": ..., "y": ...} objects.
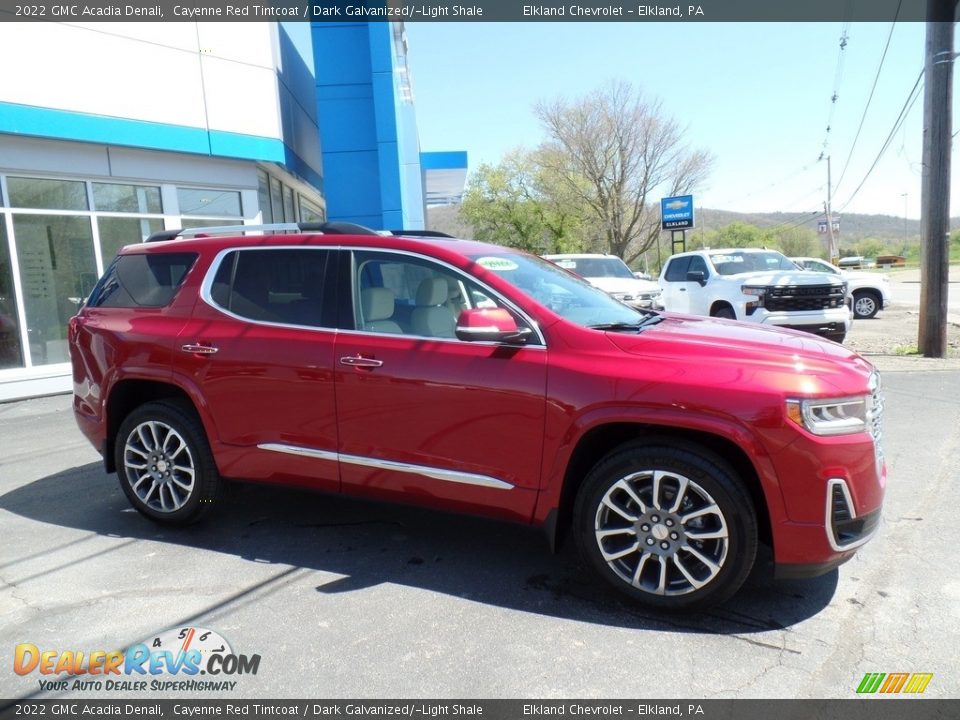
[
  {"x": 669, "y": 526},
  {"x": 164, "y": 463}
]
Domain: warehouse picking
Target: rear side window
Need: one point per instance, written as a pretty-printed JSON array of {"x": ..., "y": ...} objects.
[
  {"x": 284, "y": 285},
  {"x": 143, "y": 280}
]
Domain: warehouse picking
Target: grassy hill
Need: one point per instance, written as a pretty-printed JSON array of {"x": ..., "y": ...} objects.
[{"x": 853, "y": 228}]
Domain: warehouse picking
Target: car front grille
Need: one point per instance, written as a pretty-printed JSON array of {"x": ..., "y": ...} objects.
[{"x": 794, "y": 298}]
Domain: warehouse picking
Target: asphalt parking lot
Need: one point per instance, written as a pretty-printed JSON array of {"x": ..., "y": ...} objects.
[{"x": 344, "y": 599}]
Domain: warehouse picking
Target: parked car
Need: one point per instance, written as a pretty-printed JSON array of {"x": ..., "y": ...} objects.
[
  {"x": 613, "y": 276},
  {"x": 447, "y": 373},
  {"x": 870, "y": 291},
  {"x": 755, "y": 285}
]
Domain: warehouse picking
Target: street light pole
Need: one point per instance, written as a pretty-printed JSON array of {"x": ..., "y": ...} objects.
[{"x": 904, "y": 250}]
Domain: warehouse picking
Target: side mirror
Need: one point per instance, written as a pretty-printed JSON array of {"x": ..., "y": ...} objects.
[
  {"x": 491, "y": 325},
  {"x": 697, "y": 277}
]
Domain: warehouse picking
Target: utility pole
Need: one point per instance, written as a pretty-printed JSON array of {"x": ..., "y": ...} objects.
[
  {"x": 834, "y": 250},
  {"x": 935, "y": 187}
]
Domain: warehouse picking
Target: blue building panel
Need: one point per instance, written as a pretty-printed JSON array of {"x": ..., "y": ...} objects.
[
  {"x": 363, "y": 115},
  {"x": 352, "y": 185}
]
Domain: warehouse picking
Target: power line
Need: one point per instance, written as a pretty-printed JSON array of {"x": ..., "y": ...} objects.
[
  {"x": 904, "y": 111},
  {"x": 837, "y": 78},
  {"x": 876, "y": 78}
]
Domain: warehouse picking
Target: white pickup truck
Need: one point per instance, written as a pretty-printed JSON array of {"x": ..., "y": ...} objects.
[{"x": 756, "y": 285}]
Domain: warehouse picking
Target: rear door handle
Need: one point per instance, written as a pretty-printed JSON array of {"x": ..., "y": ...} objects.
[
  {"x": 359, "y": 361},
  {"x": 199, "y": 349}
]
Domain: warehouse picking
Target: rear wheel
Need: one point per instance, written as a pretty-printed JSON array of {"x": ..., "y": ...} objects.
[
  {"x": 671, "y": 527},
  {"x": 164, "y": 463},
  {"x": 866, "y": 304}
]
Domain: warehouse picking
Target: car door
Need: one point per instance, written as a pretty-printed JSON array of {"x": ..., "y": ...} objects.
[
  {"x": 675, "y": 295},
  {"x": 422, "y": 415},
  {"x": 259, "y": 347}
]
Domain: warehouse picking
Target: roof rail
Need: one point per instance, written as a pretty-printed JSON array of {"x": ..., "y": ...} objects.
[
  {"x": 421, "y": 233},
  {"x": 326, "y": 228}
]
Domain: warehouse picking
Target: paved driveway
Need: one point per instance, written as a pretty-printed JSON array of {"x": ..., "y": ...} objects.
[{"x": 343, "y": 599}]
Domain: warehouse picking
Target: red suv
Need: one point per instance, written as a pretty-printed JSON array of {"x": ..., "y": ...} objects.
[{"x": 480, "y": 379}]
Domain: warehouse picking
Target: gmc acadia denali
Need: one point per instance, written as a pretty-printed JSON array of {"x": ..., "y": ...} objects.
[{"x": 480, "y": 379}]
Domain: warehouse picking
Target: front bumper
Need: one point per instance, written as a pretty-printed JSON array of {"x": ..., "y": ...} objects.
[{"x": 827, "y": 323}]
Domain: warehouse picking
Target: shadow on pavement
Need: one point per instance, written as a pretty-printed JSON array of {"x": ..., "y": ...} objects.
[{"x": 369, "y": 543}]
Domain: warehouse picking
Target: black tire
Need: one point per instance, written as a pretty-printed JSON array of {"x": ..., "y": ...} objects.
[
  {"x": 866, "y": 304},
  {"x": 724, "y": 312},
  {"x": 668, "y": 573},
  {"x": 164, "y": 463}
]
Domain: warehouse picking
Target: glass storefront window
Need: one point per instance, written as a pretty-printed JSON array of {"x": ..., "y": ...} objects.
[
  {"x": 57, "y": 271},
  {"x": 194, "y": 201},
  {"x": 276, "y": 197},
  {"x": 142, "y": 199},
  {"x": 289, "y": 214},
  {"x": 263, "y": 196},
  {"x": 194, "y": 223},
  {"x": 310, "y": 212},
  {"x": 11, "y": 353},
  {"x": 117, "y": 232},
  {"x": 47, "y": 194}
]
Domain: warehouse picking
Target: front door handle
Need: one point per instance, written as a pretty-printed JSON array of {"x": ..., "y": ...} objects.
[
  {"x": 199, "y": 349},
  {"x": 359, "y": 361}
]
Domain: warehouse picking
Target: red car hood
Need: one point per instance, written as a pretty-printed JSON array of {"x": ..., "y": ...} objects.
[{"x": 717, "y": 340}]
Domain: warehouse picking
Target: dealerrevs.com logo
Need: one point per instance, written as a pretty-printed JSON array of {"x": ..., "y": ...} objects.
[
  {"x": 893, "y": 683},
  {"x": 173, "y": 660}
]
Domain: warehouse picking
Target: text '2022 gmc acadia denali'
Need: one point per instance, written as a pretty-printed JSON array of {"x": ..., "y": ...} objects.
[{"x": 481, "y": 379}]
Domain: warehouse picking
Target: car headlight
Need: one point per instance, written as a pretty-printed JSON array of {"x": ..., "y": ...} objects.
[
  {"x": 830, "y": 416},
  {"x": 753, "y": 290}
]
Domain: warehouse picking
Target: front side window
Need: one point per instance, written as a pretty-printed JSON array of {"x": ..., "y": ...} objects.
[
  {"x": 406, "y": 295},
  {"x": 677, "y": 269},
  {"x": 282, "y": 285}
]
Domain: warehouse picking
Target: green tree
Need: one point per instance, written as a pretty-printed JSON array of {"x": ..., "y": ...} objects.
[
  {"x": 617, "y": 153},
  {"x": 870, "y": 248},
  {"x": 740, "y": 235},
  {"x": 517, "y": 203},
  {"x": 796, "y": 242}
]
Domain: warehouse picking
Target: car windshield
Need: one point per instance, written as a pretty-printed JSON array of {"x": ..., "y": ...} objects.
[
  {"x": 734, "y": 262},
  {"x": 596, "y": 267},
  {"x": 559, "y": 290}
]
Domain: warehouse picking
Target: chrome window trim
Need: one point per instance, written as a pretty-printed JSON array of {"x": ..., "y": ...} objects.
[
  {"x": 206, "y": 288},
  {"x": 828, "y": 527},
  {"x": 453, "y": 268},
  {"x": 455, "y": 476}
]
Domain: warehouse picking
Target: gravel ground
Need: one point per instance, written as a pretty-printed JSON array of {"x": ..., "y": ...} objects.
[{"x": 889, "y": 340}]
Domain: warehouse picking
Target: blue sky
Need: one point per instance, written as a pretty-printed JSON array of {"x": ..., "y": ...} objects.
[{"x": 757, "y": 96}]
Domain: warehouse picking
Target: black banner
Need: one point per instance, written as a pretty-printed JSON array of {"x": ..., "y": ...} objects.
[
  {"x": 466, "y": 10},
  {"x": 873, "y": 708}
]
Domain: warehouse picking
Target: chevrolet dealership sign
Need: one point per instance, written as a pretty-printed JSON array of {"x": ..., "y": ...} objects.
[{"x": 676, "y": 213}]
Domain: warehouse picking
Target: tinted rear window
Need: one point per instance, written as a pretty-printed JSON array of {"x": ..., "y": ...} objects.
[{"x": 142, "y": 280}]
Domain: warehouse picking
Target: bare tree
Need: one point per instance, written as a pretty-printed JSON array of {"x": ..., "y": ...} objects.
[{"x": 619, "y": 153}]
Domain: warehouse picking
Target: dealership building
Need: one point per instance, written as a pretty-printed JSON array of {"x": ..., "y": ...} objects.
[{"x": 131, "y": 128}]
